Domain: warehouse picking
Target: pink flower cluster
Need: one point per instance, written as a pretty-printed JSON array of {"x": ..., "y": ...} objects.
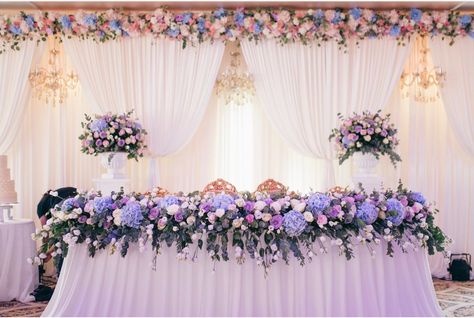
[
  {"x": 230, "y": 25},
  {"x": 366, "y": 133},
  {"x": 113, "y": 133}
]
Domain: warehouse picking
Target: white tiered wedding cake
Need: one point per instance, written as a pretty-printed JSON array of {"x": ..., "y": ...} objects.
[{"x": 7, "y": 186}]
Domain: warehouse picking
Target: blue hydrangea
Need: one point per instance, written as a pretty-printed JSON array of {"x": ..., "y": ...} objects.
[
  {"x": 168, "y": 200},
  {"x": 417, "y": 197},
  {"x": 132, "y": 214},
  {"x": 395, "y": 211},
  {"x": 257, "y": 29},
  {"x": 90, "y": 19},
  {"x": 66, "y": 22},
  {"x": 186, "y": 17},
  {"x": 201, "y": 25},
  {"x": 30, "y": 21},
  {"x": 395, "y": 30},
  {"x": 219, "y": 13},
  {"x": 115, "y": 25},
  {"x": 416, "y": 14},
  {"x": 337, "y": 18},
  {"x": 465, "y": 20},
  {"x": 68, "y": 204},
  {"x": 355, "y": 13},
  {"x": 15, "y": 29},
  {"x": 222, "y": 201},
  {"x": 239, "y": 18},
  {"x": 319, "y": 14},
  {"x": 102, "y": 204},
  {"x": 367, "y": 212},
  {"x": 318, "y": 202},
  {"x": 173, "y": 32},
  {"x": 294, "y": 223},
  {"x": 98, "y": 125}
]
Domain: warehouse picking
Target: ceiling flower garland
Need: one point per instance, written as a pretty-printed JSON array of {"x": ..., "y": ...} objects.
[{"x": 230, "y": 25}]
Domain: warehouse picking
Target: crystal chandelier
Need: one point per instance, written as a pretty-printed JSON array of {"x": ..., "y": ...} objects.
[
  {"x": 233, "y": 85},
  {"x": 52, "y": 83},
  {"x": 424, "y": 78}
]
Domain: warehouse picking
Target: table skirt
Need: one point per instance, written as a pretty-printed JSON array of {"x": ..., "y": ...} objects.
[
  {"x": 18, "y": 278},
  {"x": 108, "y": 285}
]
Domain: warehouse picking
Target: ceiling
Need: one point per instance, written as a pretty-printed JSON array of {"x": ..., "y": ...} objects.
[{"x": 206, "y": 5}]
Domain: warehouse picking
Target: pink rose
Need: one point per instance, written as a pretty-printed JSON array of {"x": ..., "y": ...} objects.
[
  {"x": 250, "y": 218},
  {"x": 322, "y": 220},
  {"x": 404, "y": 201}
]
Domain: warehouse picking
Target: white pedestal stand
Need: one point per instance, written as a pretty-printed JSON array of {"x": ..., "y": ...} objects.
[
  {"x": 6, "y": 208},
  {"x": 365, "y": 172},
  {"x": 115, "y": 178}
]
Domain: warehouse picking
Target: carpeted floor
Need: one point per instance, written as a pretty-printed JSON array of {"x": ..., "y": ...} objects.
[{"x": 455, "y": 298}]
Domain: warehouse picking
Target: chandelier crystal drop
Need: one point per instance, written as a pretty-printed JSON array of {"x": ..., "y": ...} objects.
[
  {"x": 233, "y": 85},
  {"x": 52, "y": 84},
  {"x": 422, "y": 80}
]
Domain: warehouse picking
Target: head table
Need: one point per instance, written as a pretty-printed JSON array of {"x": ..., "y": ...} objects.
[{"x": 109, "y": 285}]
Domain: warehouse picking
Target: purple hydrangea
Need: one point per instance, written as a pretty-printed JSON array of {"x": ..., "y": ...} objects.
[
  {"x": 222, "y": 201},
  {"x": 98, "y": 125},
  {"x": 318, "y": 202},
  {"x": 68, "y": 204},
  {"x": 102, "y": 204},
  {"x": 294, "y": 223},
  {"x": 395, "y": 211},
  {"x": 132, "y": 214},
  {"x": 276, "y": 221},
  {"x": 168, "y": 201},
  {"x": 417, "y": 197},
  {"x": 367, "y": 212}
]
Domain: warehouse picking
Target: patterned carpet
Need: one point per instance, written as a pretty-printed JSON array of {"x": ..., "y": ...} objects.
[{"x": 455, "y": 298}]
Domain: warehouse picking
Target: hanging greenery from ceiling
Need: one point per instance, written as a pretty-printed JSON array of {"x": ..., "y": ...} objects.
[{"x": 286, "y": 26}]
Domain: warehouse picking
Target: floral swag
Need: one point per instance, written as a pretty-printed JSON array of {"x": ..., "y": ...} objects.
[
  {"x": 268, "y": 225},
  {"x": 231, "y": 25}
]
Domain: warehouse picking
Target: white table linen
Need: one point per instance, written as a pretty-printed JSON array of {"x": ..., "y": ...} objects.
[
  {"x": 18, "y": 278},
  {"x": 108, "y": 285}
]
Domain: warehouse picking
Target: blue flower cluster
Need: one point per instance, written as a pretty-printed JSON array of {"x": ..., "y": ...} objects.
[
  {"x": 169, "y": 200},
  {"x": 102, "y": 204},
  {"x": 68, "y": 204},
  {"x": 90, "y": 19},
  {"x": 66, "y": 22},
  {"x": 222, "y": 201},
  {"x": 98, "y": 125},
  {"x": 367, "y": 212},
  {"x": 318, "y": 202},
  {"x": 115, "y": 25},
  {"x": 294, "y": 223},
  {"x": 417, "y": 197},
  {"x": 396, "y": 211},
  {"x": 132, "y": 214}
]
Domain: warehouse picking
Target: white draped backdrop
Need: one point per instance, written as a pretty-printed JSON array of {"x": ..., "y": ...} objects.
[{"x": 197, "y": 139}]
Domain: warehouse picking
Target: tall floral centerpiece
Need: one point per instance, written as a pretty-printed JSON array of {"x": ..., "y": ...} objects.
[
  {"x": 115, "y": 137},
  {"x": 366, "y": 137}
]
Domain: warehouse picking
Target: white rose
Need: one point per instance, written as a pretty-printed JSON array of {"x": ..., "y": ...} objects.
[
  {"x": 237, "y": 223},
  {"x": 191, "y": 219},
  {"x": 172, "y": 209},
  {"x": 258, "y": 215},
  {"x": 308, "y": 216},
  {"x": 240, "y": 202},
  {"x": 367, "y": 138},
  {"x": 76, "y": 232},
  {"x": 260, "y": 205},
  {"x": 300, "y": 207},
  {"x": 88, "y": 240},
  {"x": 220, "y": 213},
  {"x": 385, "y": 141},
  {"x": 194, "y": 237},
  {"x": 276, "y": 206},
  {"x": 266, "y": 217}
]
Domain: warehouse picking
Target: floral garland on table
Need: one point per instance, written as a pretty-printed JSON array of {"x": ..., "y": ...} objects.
[
  {"x": 229, "y": 25},
  {"x": 113, "y": 133},
  {"x": 265, "y": 227},
  {"x": 366, "y": 133}
]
